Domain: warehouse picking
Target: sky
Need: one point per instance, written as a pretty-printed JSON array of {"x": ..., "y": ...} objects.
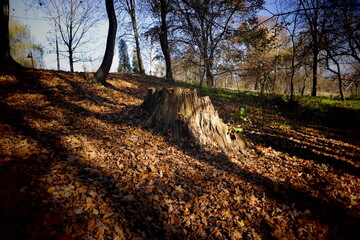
[{"x": 41, "y": 28}]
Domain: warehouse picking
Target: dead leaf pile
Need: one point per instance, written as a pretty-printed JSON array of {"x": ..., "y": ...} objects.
[{"x": 77, "y": 162}]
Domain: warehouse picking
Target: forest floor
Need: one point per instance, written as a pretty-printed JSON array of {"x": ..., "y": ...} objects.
[{"x": 77, "y": 162}]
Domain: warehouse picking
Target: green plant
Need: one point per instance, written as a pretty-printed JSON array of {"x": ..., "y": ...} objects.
[{"x": 242, "y": 120}]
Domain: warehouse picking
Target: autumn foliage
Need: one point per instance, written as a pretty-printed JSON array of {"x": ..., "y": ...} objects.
[{"x": 78, "y": 162}]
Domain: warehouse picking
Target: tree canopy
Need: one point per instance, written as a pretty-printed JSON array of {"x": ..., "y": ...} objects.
[{"x": 304, "y": 47}]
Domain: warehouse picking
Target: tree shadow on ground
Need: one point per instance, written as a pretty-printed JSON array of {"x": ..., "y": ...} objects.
[
  {"x": 30, "y": 212},
  {"x": 287, "y": 144},
  {"x": 142, "y": 215},
  {"x": 24, "y": 208},
  {"x": 331, "y": 212}
]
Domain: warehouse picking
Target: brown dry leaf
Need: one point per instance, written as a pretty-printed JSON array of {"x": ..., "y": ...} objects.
[
  {"x": 113, "y": 178},
  {"x": 100, "y": 232},
  {"x": 91, "y": 224}
]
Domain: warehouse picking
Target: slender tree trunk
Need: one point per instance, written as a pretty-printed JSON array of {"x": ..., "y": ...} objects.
[
  {"x": 209, "y": 74},
  {"x": 202, "y": 79},
  {"x": 342, "y": 97},
  {"x": 292, "y": 74},
  {"x": 315, "y": 51},
  {"x": 70, "y": 45},
  {"x": 303, "y": 87},
  {"x": 4, "y": 32},
  {"x": 136, "y": 36},
  {"x": 57, "y": 51},
  {"x": 102, "y": 72},
  {"x": 292, "y": 33},
  {"x": 314, "y": 72},
  {"x": 71, "y": 60},
  {"x": 164, "y": 40},
  {"x": 337, "y": 72}
]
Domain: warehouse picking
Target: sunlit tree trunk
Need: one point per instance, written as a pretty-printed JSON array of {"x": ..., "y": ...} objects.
[
  {"x": 209, "y": 74},
  {"x": 130, "y": 5},
  {"x": 102, "y": 72}
]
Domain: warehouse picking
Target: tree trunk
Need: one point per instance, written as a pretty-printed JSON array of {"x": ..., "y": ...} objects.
[
  {"x": 209, "y": 76},
  {"x": 337, "y": 72},
  {"x": 5, "y": 57},
  {"x": 57, "y": 51},
  {"x": 191, "y": 120},
  {"x": 4, "y": 30},
  {"x": 136, "y": 35},
  {"x": 102, "y": 72},
  {"x": 70, "y": 45},
  {"x": 342, "y": 97},
  {"x": 314, "y": 73},
  {"x": 164, "y": 39},
  {"x": 71, "y": 60}
]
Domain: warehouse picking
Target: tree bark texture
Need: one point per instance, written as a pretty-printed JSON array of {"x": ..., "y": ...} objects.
[
  {"x": 164, "y": 39},
  {"x": 102, "y": 72},
  {"x": 191, "y": 120},
  {"x": 132, "y": 11}
]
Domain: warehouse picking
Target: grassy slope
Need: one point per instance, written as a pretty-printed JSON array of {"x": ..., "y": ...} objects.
[{"x": 77, "y": 162}]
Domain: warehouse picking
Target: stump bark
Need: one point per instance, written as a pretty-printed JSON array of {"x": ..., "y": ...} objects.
[{"x": 191, "y": 120}]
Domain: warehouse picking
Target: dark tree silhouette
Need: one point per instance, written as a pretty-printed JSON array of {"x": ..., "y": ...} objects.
[
  {"x": 102, "y": 72},
  {"x": 161, "y": 9},
  {"x": 164, "y": 10},
  {"x": 5, "y": 56}
]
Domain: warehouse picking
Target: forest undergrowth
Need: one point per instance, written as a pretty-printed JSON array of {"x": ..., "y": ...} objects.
[{"x": 77, "y": 162}]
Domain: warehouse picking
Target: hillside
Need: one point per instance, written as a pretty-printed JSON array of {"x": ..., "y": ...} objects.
[{"x": 77, "y": 162}]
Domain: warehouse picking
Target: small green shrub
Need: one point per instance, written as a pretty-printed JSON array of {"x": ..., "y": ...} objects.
[{"x": 242, "y": 119}]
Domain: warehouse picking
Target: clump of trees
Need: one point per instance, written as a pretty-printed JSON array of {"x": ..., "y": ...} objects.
[
  {"x": 306, "y": 47},
  {"x": 124, "y": 62}
]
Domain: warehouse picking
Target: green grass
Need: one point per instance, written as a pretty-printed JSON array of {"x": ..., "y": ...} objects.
[
  {"x": 324, "y": 110},
  {"x": 321, "y": 103}
]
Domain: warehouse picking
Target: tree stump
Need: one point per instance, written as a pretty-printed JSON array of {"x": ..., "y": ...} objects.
[{"x": 191, "y": 120}]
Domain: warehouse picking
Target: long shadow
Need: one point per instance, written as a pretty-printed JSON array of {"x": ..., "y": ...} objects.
[
  {"x": 81, "y": 93},
  {"x": 142, "y": 213},
  {"x": 304, "y": 151},
  {"x": 25, "y": 215},
  {"x": 22, "y": 204},
  {"x": 339, "y": 218},
  {"x": 328, "y": 211},
  {"x": 343, "y": 223}
]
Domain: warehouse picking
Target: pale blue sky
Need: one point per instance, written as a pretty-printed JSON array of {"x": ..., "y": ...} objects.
[{"x": 40, "y": 28}]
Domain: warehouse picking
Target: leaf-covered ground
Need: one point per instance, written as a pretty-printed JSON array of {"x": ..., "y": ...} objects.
[{"x": 77, "y": 162}]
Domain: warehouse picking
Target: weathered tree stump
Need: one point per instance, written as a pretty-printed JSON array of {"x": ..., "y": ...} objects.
[{"x": 191, "y": 120}]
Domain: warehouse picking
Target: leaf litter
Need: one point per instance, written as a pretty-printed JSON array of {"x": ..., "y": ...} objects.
[{"x": 77, "y": 162}]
